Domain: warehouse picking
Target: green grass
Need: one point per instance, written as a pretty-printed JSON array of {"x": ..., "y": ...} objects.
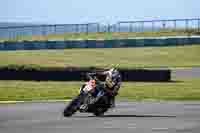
[
  {"x": 180, "y": 56},
  {"x": 104, "y": 35},
  {"x": 180, "y": 90},
  {"x": 188, "y": 89},
  {"x": 32, "y": 90}
]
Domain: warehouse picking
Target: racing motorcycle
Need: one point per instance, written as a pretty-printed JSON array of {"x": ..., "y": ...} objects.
[{"x": 85, "y": 102}]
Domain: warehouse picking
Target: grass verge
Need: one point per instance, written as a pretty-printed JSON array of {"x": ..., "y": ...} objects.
[
  {"x": 102, "y": 35},
  {"x": 188, "y": 89},
  {"x": 180, "y": 56}
]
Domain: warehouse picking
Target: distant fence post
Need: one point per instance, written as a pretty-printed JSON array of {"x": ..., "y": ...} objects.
[
  {"x": 175, "y": 24},
  {"x": 43, "y": 30},
  {"x": 186, "y": 25},
  {"x": 152, "y": 26},
  {"x": 142, "y": 26},
  {"x": 163, "y": 25},
  {"x": 87, "y": 28},
  {"x": 55, "y": 30},
  {"x": 131, "y": 27},
  {"x": 9, "y": 34},
  {"x": 98, "y": 27},
  {"x": 76, "y": 28},
  {"x": 119, "y": 27},
  {"x": 108, "y": 27}
]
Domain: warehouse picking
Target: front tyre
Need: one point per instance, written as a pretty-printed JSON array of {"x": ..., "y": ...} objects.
[
  {"x": 72, "y": 107},
  {"x": 68, "y": 112}
]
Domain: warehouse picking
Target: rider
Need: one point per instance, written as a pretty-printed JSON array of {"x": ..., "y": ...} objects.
[
  {"x": 112, "y": 83},
  {"x": 95, "y": 86}
]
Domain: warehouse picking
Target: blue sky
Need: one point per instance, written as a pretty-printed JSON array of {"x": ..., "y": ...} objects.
[{"x": 104, "y": 11}]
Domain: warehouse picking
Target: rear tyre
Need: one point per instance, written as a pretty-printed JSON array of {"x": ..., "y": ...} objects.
[
  {"x": 100, "y": 112},
  {"x": 101, "y": 106}
]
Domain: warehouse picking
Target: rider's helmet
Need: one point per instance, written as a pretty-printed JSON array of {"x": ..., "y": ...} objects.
[{"x": 111, "y": 77}]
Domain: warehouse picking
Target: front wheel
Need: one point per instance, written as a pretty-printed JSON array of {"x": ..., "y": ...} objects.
[
  {"x": 72, "y": 107},
  {"x": 68, "y": 112}
]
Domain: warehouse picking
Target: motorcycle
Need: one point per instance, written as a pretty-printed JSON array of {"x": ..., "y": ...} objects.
[{"x": 85, "y": 102}]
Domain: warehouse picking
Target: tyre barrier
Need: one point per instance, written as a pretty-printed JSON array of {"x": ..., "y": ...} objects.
[
  {"x": 112, "y": 43},
  {"x": 78, "y": 74}
]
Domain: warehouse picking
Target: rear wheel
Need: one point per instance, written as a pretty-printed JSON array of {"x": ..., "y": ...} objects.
[
  {"x": 101, "y": 106},
  {"x": 100, "y": 111}
]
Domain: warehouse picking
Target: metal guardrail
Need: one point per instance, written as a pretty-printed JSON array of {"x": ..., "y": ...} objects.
[
  {"x": 122, "y": 26},
  {"x": 14, "y": 31},
  {"x": 154, "y": 25}
]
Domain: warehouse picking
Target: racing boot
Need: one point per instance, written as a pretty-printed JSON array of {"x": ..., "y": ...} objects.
[{"x": 112, "y": 102}]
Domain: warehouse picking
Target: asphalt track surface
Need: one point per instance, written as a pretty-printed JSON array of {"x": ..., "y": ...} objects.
[
  {"x": 127, "y": 117},
  {"x": 186, "y": 73}
]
